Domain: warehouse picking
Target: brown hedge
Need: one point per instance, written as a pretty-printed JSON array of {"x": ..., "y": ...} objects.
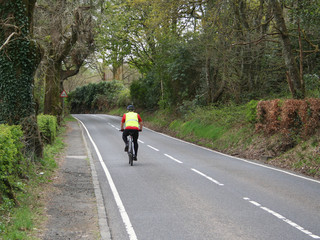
[{"x": 301, "y": 117}]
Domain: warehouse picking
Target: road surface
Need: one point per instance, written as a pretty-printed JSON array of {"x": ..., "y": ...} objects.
[{"x": 180, "y": 191}]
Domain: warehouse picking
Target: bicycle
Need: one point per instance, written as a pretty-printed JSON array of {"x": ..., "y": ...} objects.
[{"x": 130, "y": 147}]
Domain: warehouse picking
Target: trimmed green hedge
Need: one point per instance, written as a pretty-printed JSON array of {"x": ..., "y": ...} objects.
[
  {"x": 48, "y": 128},
  {"x": 11, "y": 159}
]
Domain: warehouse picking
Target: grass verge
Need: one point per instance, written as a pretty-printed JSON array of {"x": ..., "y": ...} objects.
[{"x": 18, "y": 222}]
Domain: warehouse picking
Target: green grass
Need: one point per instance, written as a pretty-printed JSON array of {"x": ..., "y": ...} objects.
[
  {"x": 118, "y": 111},
  {"x": 213, "y": 127},
  {"x": 22, "y": 223},
  {"x": 69, "y": 118},
  {"x": 18, "y": 222}
]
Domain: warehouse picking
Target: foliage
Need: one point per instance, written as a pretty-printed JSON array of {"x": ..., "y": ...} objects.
[
  {"x": 214, "y": 127},
  {"x": 291, "y": 117},
  {"x": 251, "y": 111},
  {"x": 145, "y": 92},
  {"x": 97, "y": 97},
  {"x": 18, "y": 221},
  {"x": 48, "y": 128},
  {"x": 312, "y": 85},
  {"x": 196, "y": 52},
  {"x": 182, "y": 69},
  {"x": 12, "y": 162}
]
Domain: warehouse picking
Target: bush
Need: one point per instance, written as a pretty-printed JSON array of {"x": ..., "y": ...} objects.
[
  {"x": 11, "y": 160},
  {"x": 98, "y": 97},
  {"x": 48, "y": 128},
  {"x": 301, "y": 117},
  {"x": 251, "y": 111},
  {"x": 145, "y": 92}
]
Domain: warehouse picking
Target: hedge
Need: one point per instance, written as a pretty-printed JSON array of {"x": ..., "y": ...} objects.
[
  {"x": 48, "y": 128},
  {"x": 11, "y": 159},
  {"x": 286, "y": 116}
]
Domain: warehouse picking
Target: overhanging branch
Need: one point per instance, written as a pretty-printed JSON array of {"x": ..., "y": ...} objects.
[{"x": 8, "y": 39}]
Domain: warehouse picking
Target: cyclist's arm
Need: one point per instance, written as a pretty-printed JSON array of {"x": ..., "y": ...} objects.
[
  {"x": 140, "y": 122},
  {"x": 123, "y": 120}
]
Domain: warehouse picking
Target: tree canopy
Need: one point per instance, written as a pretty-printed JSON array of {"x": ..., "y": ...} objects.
[{"x": 210, "y": 51}]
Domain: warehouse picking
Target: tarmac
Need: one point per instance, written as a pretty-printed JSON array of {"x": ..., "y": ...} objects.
[{"x": 75, "y": 207}]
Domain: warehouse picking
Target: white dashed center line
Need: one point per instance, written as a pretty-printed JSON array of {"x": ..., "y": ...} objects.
[
  {"x": 207, "y": 177},
  {"x": 286, "y": 220},
  {"x": 153, "y": 148},
  {"x": 172, "y": 158}
]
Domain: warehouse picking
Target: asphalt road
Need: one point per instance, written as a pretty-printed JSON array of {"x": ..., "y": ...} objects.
[{"x": 180, "y": 191}]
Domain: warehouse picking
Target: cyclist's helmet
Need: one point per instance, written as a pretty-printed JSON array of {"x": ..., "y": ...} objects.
[{"x": 130, "y": 108}]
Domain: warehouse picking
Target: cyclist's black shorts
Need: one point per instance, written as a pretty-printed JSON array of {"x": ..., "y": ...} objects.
[{"x": 134, "y": 133}]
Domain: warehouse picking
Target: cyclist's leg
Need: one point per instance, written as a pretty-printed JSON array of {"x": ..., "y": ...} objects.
[
  {"x": 125, "y": 138},
  {"x": 135, "y": 141}
]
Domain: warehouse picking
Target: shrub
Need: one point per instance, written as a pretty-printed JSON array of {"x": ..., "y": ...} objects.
[
  {"x": 145, "y": 92},
  {"x": 48, "y": 128},
  {"x": 123, "y": 98},
  {"x": 300, "y": 117},
  {"x": 251, "y": 111},
  {"x": 97, "y": 97},
  {"x": 11, "y": 159},
  {"x": 268, "y": 114}
]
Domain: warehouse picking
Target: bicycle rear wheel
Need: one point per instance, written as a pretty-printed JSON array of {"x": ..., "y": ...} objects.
[{"x": 130, "y": 151}]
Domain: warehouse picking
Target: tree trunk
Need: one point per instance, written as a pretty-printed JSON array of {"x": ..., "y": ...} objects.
[
  {"x": 19, "y": 59},
  {"x": 52, "y": 103},
  {"x": 291, "y": 65},
  {"x": 208, "y": 77}
]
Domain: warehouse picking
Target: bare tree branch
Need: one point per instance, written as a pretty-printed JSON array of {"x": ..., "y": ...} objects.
[{"x": 8, "y": 39}]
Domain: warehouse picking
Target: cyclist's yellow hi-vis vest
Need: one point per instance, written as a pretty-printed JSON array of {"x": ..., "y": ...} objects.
[{"x": 132, "y": 119}]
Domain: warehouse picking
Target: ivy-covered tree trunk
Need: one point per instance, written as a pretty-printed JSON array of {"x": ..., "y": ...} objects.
[{"x": 19, "y": 58}]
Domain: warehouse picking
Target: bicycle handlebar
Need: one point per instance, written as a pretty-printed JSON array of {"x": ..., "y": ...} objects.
[{"x": 121, "y": 130}]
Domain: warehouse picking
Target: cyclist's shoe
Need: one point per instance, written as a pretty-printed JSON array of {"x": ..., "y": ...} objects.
[
  {"x": 126, "y": 148},
  {"x": 135, "y": 158}
]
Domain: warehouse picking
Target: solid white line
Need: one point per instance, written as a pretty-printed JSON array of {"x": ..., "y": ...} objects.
[
  {"x": 279, "y": 216},
  {"x": 207, "y": 177},
  {"x": 173, "y": 158},
  {"x": 122, "y": 210},
  {"x": 153, "y": 148},
  {"x": 102, "y": 216},
  {"x": 240, "y": 159}
]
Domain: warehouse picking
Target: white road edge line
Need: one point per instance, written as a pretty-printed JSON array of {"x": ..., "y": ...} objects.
[
  {"x": 172, "y": 158},
  {"x": 102, "y": 215},
  {"x": 240, "y": 159},
  {"x": 122, "y": 210},
  {"x": 153, "y": 148},
  {"x": 279, "y": 216},
  {"x": 207, "y": 177}
]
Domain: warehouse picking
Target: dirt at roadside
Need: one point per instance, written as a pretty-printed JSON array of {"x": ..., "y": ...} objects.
[{"x": 70, "y": 201}]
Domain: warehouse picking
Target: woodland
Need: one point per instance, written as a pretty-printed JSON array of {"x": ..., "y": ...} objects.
[{"x": 202, "y": 52}]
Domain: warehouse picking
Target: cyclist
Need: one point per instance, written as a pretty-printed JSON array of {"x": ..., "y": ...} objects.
[{"x": 133, "y": 124}]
